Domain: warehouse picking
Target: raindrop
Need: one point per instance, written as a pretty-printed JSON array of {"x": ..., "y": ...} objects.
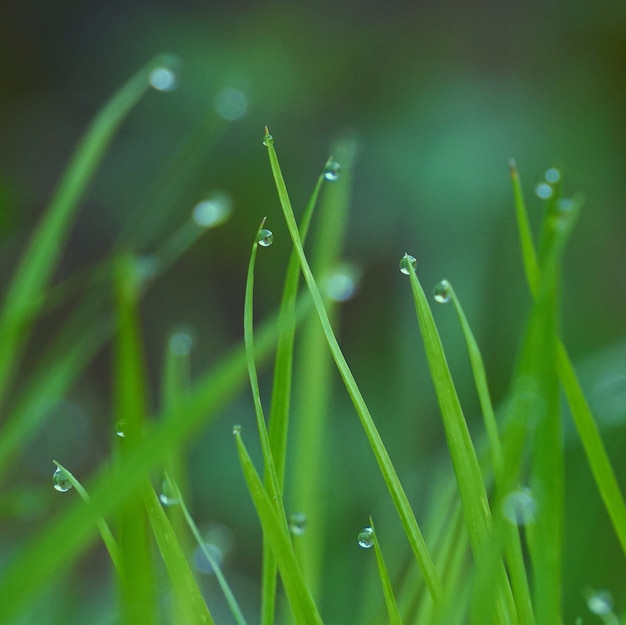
[
  {"x": 600, "y": 602},
  {"x": 168, "y": 495},
  {"x": 552, "y": 175},
  {"x": 121, "y": 428},
  {"x": 231, "y": 104},
  {"x": 61, "y": 480},
  {"x": 405, "y": 261},
  {"x": 519, "y": 507},
  {"x": 213, "y": 210},
  {"x": 341, "y": 285},
  {"x": 332, "y": 171},
  {"x": 265, "y": 238},
  {"x": 297, "y": 523},
  {"x": 180, "y": 343},
  {"x": 163, "y": 79},
  {"x": 268, "y": 140},
  {"x": 366, "y": 538},
  {"x": 237, "y": 429},
  {"x": 442, "y": 292},
  {"x": 544, "y": 191},
  {"x": 204, "y": 564}
]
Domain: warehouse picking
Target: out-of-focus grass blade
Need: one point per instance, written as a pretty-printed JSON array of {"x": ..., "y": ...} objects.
[
  {"x": 390, "y": 599},
  {"x": 586, "y": 426},
  {"x": 105, "y": 531},
  {"x": 466, "y": 467},
  {"x": 398, "y": 495},
  {"x": 137, "y": 588},
  {"x": 53, "y": 550},
  {"x": 185, "y": 586},
  {"x": 26, "y": 292},
  {"x": 302, "y": 604}
]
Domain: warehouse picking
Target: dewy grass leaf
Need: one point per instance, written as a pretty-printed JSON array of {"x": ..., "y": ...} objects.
[
  {"x": 398, "y": 495},
  {"x": 302, "y": 604},
  {"x": 185, "y": 586},
  {"x": 27, "y": 289}
]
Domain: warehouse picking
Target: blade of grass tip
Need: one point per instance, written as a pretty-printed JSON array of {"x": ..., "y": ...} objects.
[
  {"x": 185, "y": 587},
  {"x": 390, "y": 599},
  {"x": 466, "y": 467},
  {"x": 26, "y": 292},
  {"x": 586, "y": 426},
  {"x": 513, "y": 548},
  {"x": 137, "y": 588},
  {"x": 105, "y": 532},
  {"x": 281, "y": 399},
  {"x": 215, "y": 565},
  {"x": 53, "y": 550},
  {"x": 302, "y": 605},
  {"x": 401, "y": 502}
]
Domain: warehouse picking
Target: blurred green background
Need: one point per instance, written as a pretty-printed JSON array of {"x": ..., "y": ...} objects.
[{"x": 436, "y": 97}]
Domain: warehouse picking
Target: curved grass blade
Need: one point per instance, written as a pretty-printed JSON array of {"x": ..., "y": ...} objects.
[
  {"x": 26, "y": 292},
  {"x": 302, "y": 604},
  {"x": 392, "y": 481}
]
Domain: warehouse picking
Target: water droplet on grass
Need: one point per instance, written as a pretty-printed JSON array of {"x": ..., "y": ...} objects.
[
  {"x": 202, "y": 563},
  {"x": 341, "y": 284},
  {"x": 268, "y": 140},
  {"x": 265, "y": 238},
  {"x": 231, "y": 104},
  {"x": 180, "y": 343},
  {"x": 163, "y": 79},
  {"x": 544, "y": 191},
  {"x": 600, "y": 602},
  {"x": 213, "y": 210},
  {"x": 332, "y": 171},
  {"x": 519, "y": 507},
  {"x": 366, "y": 538},
  {"x": 405, "y": 261},
  {"x": 297, "y": 523},
  {"x": 168, "y": 495},
  {"x": 442, "y": 292},
  {"x": 237, "y": 429},
  {"x": 552, "y": 175},
  {"x": 121, "y": 428},
  {"x": 61, "y": 480}
]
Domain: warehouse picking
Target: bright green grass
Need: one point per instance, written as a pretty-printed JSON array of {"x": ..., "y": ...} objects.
[{"x": 470, "y": 562}]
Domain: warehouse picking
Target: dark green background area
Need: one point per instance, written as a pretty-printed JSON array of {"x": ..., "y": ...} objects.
[{"x": 436, "y": 97}]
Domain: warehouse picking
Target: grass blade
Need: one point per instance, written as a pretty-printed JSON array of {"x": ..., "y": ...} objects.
[{"x": 398, "y": 495}]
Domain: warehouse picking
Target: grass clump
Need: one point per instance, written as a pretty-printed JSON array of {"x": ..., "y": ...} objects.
[{"x": 497, "y": 559}]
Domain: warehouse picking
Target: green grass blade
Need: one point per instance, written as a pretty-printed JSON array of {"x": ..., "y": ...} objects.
[
  {"x": 390, "y": 599},
  {"x": 466, "y": 467},
  {"x": 183, "y": 582},
  {"x": 302, "y": 604},
  {"x": 26, "y": 292},
  {"x": 398, "y": 495},
  {"x": 105, "y": 531}
]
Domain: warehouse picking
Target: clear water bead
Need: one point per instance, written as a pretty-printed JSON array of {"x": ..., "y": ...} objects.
[
  {"x": 237, "y": 429},
  {"x": 297, "y": 523},
  {"x": 61, "y": 480},
  {"x": 268, "y": 140},
  {"x": 600, "y": 602},
  {"x": 405, "y": 261},
  {"x": 180, "y": 343},
  {"x": 265, "y": 238},
  {"x": 552, "y": 175},
  {"x": 544, "y": 191},
  {"x": 341, "y": 285},
  {"x": 519, "y": 507},
  {"x": 442, "y": 292},
  {"x": 366, "y": 538},
  {"x": 212, "y": 210},
  {"x": 231, "y": 104},
  {"x": 332, "y": 171},
  {"x": 168, "y": 495},
  {"x": 121, "y": 427},
  {"x": 163, "y": 79}
]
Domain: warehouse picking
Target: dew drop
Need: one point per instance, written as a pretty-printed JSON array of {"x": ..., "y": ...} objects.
[
  {"x": 168, "y": 495},
  {"x": 405, "y": 261},
  {"x": 552, "y": 175},
  {"x": 163, "y": 79},
  {"x": 231, "y": 104},
  {"x": 519, "y": 507},
  {"x": 212, "y": 210},
  {"x": 61, "y": 480},
  {"x": 180, "y": 343},
  {"x": 297, "y": 523},
  {"x": 121, "y": 428},
  {"x": 341, "y": 285},
  {"x": 366, "y": 538},
  {"x": 544, "y": 191},
  {"x": 442, "y": 292},
  {"x": 202, "y": 563},
  {"x": 237, "y": 429},
  {"x": 265, "y": 238},
  {"x": 268, "y": 140},
  {"x": 600, "y": 602},
  {"x": 332, "y": 171}
]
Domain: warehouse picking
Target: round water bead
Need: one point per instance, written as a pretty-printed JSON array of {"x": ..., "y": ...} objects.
[
  {"x": 552, "y": 175},
  {"x": 121, "y": 427},
  {"x": 213, "y": 210},
  {"x": 168, "y": 495},
  {"x": 366, "y": 538},
  {"x": 163, "y": 79},
  {"x": 332, "y": 171},
  {"x": 405, "y": 261},
  {"x": 600, "y": 602},
  {"x": 265, "y": 238},
  {"x": 231, "y": 104},
  {"x": 544, "y": 191},
  {"x": 341, "y": 285},
  {"x": 237, "y": 429},
  {"x": 180, "y": 343},
  {"x": 442, "y": 292},
  {"x": 61, "y": 480},
  {"x": 297, "y": 523},
  {"x": 519, "y": 507},
  {"x": 268, "y": 140}
]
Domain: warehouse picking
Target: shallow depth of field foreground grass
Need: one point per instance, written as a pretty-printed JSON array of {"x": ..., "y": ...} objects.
[{"x": 486, "y": 542}]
